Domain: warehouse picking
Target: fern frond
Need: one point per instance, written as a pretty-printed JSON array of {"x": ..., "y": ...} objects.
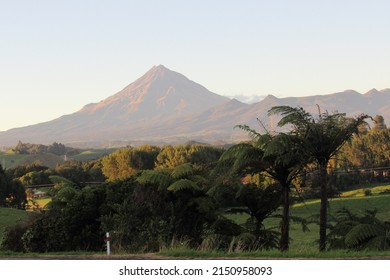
[
  {"x": 251, "y": 132},
  {"x": 378, "y": 243},
  {"x": 361, "y": 233},
  {"x": 235, "y": 150},
  {"x": 156, "y": 178},
  {"x": 296, "y": 116},
  {"x": 243, "y": 156},
  {"x": 183, "y": 184},
  {"x": 183, "y": 171}
]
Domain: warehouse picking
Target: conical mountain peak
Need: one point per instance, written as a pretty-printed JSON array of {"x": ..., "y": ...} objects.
[
  {"x": 159, "y": 92},
  {"x": 166, "y": 107}
]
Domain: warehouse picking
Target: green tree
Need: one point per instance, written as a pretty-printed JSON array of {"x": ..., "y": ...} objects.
[
  {"x": 379, "y": 123},
  {"x": 322, "y": 138},
  {"x": 57, "y": 149},
  {"x": 200, "y": 155},
  {"x": 279, "y": 156},
  {"x": 184, "y": 189},
  {"x": 172, "y": 156},
  {"x": 12, "y": 193},
  {"x": 72, "y": 170},
  {"x": 128, "y": 161},
  {"x": 368, "y": 150}
]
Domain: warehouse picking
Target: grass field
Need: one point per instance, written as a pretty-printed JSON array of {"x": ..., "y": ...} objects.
[
  {"x": 9, "y": 159},
  {"x": 9, "y": 216},
  {"x": 93, "y": 154}
]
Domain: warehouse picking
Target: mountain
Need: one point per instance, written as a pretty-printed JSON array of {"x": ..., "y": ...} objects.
[
  {"x": 164, "y": 106},
  {"x": 156, "y": 97}
]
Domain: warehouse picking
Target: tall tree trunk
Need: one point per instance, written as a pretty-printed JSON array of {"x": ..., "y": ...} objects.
[
  {"x": 324, "y": 205},
  {"x": 285, "y": 226}
]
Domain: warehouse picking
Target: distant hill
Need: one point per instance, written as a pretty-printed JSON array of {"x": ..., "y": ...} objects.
[{"x": 164, "y": 106}]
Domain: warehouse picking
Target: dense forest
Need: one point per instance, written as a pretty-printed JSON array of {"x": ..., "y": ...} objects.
[{"x": 151, "y": 197}]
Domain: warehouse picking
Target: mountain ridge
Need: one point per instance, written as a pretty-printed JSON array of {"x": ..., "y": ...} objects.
[{"x": 164, "y": 106}]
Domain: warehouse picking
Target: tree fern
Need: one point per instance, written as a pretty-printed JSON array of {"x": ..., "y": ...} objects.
[
  {"x": 183, "y": 171},
  {"x": 183, "y": 184},
  {"x": 359, "y": 231},
  {"x": 157, "y": 178},
  {"x": 362, "y": 233}
]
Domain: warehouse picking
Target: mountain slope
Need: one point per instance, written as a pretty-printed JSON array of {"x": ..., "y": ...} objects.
[
  {"x": 164, "y": 106},
  {"x": 158, "y": 95}
]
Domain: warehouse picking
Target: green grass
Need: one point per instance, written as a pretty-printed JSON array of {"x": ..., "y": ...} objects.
[
  {"x": 307, "y": 241},
  {"x": 40, "y": 201},
  {"x": 11, "y": 159},
  {"x": 92, "y": 154},
  {"x": 9, "y": 217},
  {"x": 374, "y": 188}
]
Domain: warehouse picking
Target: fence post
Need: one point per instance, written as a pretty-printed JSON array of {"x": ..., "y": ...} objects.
[{"x": 108, "y": 243}]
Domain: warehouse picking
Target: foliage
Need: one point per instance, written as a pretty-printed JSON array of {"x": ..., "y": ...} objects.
[
  {"x": 72, "y": 220},
  {"x": 9, "y": 217},
  {"x": 279, "y": 156},
  {"x": 12, "y": 192},
  {"x": 13, "y": 236},
  {"x": 28, "y": 148},
  {"x": 128, "y": 161},
  {"x": 322, "y": 138},
  {"x": 379, "y": 123},
  {"x": 359, "y": 232},
  {"x": 200, "y": 155},
  {"x": 21, "y": 170},
  {"x": 73, "y": 171},
  {"x": 189, "y": 208},
  {"x": 12, "y": 240},
  {"x": 368, "y": 150},
  {"x": 36, "y": 177}
]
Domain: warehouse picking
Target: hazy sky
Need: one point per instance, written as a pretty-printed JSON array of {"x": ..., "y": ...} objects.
[{"x": 57, "y": 56}]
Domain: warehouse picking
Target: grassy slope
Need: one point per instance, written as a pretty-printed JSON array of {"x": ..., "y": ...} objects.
[
  {"x": 93, "y": 154},
  {"x": 9, "y": 216},
  {"x": 353, "y": 200},
  {"x": 11, "y": 159}
]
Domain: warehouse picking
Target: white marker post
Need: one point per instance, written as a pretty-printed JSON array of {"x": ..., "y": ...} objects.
[{"x": 108, "y": 243}]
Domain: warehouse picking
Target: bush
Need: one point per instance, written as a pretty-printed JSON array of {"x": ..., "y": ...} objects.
[
  {"x": 367, "y": 192},
  {"x": 13, "y": 238}
]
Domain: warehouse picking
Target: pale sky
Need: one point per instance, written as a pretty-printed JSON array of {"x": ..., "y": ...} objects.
[{"x": 57, "y": 56}]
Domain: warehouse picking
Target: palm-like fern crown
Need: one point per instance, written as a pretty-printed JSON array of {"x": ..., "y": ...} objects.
[
  {"x": 323, "y": 137},
  {"x": 182, "y": 177}
]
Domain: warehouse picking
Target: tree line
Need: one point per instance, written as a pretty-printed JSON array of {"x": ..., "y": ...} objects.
[{"x": 33, "y": 149}]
